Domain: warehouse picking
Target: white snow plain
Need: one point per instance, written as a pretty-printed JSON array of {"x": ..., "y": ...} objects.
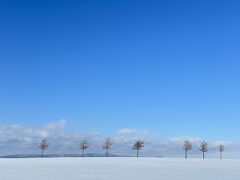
[{"x": 118, "y": 169}]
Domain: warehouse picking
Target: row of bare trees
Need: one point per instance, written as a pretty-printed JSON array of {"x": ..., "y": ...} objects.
[
  {"x": 137, "y": 145},
  {"x": 84, "y": 145},
  {"x": 203, "y": 148}
]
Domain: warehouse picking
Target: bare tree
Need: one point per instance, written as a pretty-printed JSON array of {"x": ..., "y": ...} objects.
[
  {"x": 187, "y": 146},
  {"x": 138, "y": 145},
  {"x": 107, "y": 145},
  {"x": 221, "y": 148},
  {"x": 84, "y": 145},
  {"x": 43, "y": 145},
  {"x": 203, "y": 148}
]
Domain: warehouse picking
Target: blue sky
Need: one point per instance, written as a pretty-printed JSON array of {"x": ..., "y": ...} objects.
[{"x": 171, "y": 67}]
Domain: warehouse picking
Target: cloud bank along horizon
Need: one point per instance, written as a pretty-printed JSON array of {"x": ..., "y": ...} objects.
[{"x": 17, "y": 139}]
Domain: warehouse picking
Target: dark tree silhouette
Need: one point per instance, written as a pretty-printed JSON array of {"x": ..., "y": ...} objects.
[
  {"x": 203, "y": 148},
  {"x": 84, "y": 145},
  {"x": 107, "y": 145},
  {"x": 187, "y": 146},
  {"x": 221, "y": 148},
  {"x": 43, "y": 145},
  {"x": 138, "y": 145}
]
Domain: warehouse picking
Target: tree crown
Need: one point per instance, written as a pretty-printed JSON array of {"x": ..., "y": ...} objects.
[
  {"x": 107, "y": 144},
  {"x": 139, "y": 144},
  {"x": 84, "y": 145},
  {"x": 43, "y": 144},
  {"x": 187, "y": 145},
  {"x": 203, "y": 146},
  {"x": 221, "y": 148}
]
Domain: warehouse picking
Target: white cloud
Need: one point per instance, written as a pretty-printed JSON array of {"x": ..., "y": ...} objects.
[
  {"x": 180, "y": 140},
  {"x": 16, "y": 139},
  {"x": 135, "y": 132}
]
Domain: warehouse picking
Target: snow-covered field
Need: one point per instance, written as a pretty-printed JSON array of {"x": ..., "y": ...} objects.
[{"x": 118, "y": 169}]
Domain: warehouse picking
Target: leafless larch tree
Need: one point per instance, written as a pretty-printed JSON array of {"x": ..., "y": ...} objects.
[
  {"x": 187, "y": 146},
  {"x": 203, "y": 148},
  {"x": 43, "y": 145},
  {"x": 138, "y": 145},
  {"x": 84, "y": 145},
  {"x": 107, "y": 145},
  {"x": 221, "y": 148}
]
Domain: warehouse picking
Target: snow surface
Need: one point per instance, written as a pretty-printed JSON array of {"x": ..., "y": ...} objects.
[{"x": 118, "y": 169}]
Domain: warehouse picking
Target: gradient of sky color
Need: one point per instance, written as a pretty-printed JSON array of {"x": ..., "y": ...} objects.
[{"x": 168, "y": 66}]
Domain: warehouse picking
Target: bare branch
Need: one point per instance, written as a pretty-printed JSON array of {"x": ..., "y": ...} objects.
[
  {"x": 43, "y": 145},
  {"x": 107, "y": 145},
  {"x": 138, "y": 145},
  {"x": 221, "y": 148},
  {"x": 84, "y": 145},
  {"x": 187, "y": 146},
  {"x": 203, "y": 148}
]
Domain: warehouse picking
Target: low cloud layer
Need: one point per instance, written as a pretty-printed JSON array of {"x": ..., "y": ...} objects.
[{"x": 16, "y": 139}]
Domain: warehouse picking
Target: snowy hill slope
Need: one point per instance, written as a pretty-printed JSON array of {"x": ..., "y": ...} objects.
[{"x": 118, "y": 169}]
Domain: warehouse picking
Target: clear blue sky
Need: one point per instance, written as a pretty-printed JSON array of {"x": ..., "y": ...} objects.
[{"x": 169, "y": 66}]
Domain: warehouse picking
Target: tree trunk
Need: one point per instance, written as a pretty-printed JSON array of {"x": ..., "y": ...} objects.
[
  {"x": 82, "y": 152},
  {"x": 137, "y": 152},
  {"x": 42, "y": 153},
  {"x": 203, "y": 155},
  {"x": 106, "y": 152},
  {"x": 185, "y": 154},
  {"x": 220, "y": 155}
]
